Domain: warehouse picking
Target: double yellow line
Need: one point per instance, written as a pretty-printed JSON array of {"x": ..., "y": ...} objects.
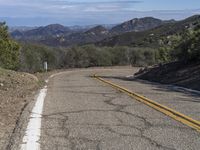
[{"x": 165, "y": 110}]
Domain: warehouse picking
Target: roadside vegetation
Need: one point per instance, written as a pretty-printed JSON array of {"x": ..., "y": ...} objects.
[
  {"x": 181, "y": 46},
  {"x": 180, "y": 57},
  {"x": 30, "y": 57},
  {"x": 33, "y": 56}
]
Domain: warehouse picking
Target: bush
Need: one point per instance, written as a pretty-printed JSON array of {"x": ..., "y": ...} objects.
[
  {"x": 143, "y": 56},
  {"x": 34, "y": 56},
  {"x": 90, "y": 56},
  {"x": 189, "y": 49}
]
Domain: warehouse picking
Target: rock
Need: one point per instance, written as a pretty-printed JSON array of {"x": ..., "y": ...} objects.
[{"x": 1, "y": 84}]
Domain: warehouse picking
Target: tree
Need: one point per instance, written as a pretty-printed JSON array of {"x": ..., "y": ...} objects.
[{"x": 9, "y": 50}]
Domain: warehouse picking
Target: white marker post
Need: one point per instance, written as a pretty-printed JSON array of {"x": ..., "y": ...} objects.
[{"x": 45, "y": 66}]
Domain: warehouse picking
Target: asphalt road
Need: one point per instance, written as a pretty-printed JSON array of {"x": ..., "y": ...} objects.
[{"x": 81, "y": 113}]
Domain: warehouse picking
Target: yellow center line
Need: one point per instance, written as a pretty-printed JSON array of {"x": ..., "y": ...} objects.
[{"x": 159, "y": 107}]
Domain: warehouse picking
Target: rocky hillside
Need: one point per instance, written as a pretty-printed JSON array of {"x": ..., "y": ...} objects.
[
  {"x": 176, "y": 73},
  {"x": 95, "y": 34},
  {"x": 137, "y": 25},
  {"x": 183, "y": 55},
  {"x": 92, "y": 35},
  {"x": 153, "y": 37}
]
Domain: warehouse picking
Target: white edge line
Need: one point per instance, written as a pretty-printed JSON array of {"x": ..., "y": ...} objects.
[{"x": 33, "y": 131}]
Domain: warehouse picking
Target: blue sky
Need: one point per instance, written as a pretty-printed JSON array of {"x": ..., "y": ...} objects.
[{"x": 86, "y": 12}]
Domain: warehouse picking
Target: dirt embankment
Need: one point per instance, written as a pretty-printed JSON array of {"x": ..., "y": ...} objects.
[
  {"x": 16, "y": 90},
  {"x": 176, "y": 73}
]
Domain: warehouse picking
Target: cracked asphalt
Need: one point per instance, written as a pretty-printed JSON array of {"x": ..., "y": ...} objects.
[{"x": 81, "y": 113}]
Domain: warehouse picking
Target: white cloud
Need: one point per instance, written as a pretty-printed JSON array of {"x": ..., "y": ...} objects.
[
  {"x": 59, "y": 7},
  {"x": 80, "y": 11}
]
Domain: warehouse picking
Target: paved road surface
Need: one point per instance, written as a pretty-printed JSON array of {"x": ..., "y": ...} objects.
[{"x": 81, "y": 113}]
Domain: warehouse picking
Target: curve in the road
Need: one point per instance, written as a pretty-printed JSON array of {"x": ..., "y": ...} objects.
[{"x": 161, "y": 108}]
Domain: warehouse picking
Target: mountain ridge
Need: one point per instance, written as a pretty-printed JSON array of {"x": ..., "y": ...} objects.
[
  {"x": 66, "y": 36},
  {"x": 150, "y": 37}
]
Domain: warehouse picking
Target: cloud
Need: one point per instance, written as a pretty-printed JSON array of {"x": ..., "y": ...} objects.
[
  {"x": 25, "y": 8},
  {"x": 98, "y": 18},
  {"x": 31, "y": 8},
  {"x": 63, "y": 2},
  {"x": 68, "y": 12}
]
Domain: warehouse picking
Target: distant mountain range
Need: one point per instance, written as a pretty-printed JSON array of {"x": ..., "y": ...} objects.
[
  {"x": 146, "y": 32},
  {"x": 58, "y": 35},
  {"x": 21, "y": 28}
]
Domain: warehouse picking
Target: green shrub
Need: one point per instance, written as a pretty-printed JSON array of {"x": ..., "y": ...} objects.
[
  {"x": 34, "y": 56},
  {"x": 143, "y": 56}
]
